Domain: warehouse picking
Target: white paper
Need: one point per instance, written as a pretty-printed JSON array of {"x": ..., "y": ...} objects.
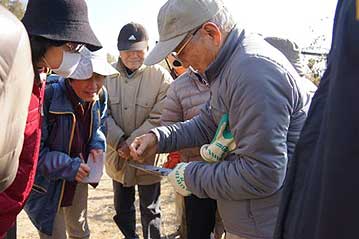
[{"x": 96, "y": 169}]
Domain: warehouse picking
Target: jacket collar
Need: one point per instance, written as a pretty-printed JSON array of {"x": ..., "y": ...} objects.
[
  {"x": 60, "y": 102},
  {"x": 121, "y": 68},
  {"x": 233, "y": 40},
  {"x": 198, "y": 78}
]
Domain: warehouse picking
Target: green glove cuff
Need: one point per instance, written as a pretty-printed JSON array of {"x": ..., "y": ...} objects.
[
  {"x": 208, "y": 155},
  {"x": 176, "y": 178},
  {"x": 222, "y": 143},
  {"x": 222, "y": 125}
]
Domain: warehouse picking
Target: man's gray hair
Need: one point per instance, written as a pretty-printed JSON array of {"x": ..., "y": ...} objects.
[{"x": 224, "y": 20}]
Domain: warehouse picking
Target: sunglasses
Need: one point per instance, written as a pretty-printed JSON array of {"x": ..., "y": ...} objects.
[{"x": 177, "y": 62}]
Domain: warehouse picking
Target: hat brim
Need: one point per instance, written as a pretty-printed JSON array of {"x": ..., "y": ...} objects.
[
  {"x": 92, "y": 62},
  {"x": 136, "y": 46},
  {"x": 104, "y": 68},
  {"x": 79, "y": 33},
  {"x": 163, "y": 49}
]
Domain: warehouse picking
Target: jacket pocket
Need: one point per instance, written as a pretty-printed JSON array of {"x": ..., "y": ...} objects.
[
  {"x": 114, "y": 105},
  {"x": 41, "y": 184},
  {"x": 114, "y": 100},
  {"x": 143, "y": 109},
  {"x": 249, "y": 208},
  {"x": 145, "y": 102},
  {"x": 112, "y": 162},
  {"x": 39, "y": 189}
]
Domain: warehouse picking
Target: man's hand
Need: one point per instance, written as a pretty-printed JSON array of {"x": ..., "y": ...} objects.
[
  {"x": 123, "y": 151},
  {"x": 83, "y": 172},
  {"x": 143, "y": 147},
  {"x": 96, "y": 153},
  {"x": 176, "y": 178}
]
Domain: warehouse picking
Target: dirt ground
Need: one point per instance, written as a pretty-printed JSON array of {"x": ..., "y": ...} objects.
[{"x": 101, "y": 211}]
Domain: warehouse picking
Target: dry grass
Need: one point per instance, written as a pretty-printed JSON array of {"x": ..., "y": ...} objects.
[{"x": 101, "y": 211}]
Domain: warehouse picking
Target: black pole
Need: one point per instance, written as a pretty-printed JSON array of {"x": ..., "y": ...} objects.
[{"x": 313, "y": 53}]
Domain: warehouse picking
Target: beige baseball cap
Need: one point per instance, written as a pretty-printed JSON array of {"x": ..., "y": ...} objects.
[{"x": 176, "y": 19}]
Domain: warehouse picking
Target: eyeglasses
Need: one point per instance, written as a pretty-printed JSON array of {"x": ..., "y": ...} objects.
[
  {"x": 171, "y": 69},
  {"x": 177, "y": 62},
  {"x": 74, "y": 47}
]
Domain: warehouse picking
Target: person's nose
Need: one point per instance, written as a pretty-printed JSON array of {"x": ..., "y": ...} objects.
[
  {"x": 135, "y": 55},
  {"x": 92, "y": 84}
]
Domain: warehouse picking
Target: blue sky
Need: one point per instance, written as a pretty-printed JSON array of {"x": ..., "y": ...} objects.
[{"x": 299, "y": 20}]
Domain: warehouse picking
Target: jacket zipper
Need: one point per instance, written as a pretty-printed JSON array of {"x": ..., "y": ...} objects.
[
  {"x": 90, "y": 135},
  {"x": 70, "y": 144}
]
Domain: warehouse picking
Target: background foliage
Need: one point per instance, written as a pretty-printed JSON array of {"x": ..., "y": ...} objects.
[{"x": 14, "y": 6}]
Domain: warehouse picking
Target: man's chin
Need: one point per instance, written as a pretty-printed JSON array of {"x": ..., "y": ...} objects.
[
  {"x": 135, "y": 67},
  {"x": 90, "y": 98}
]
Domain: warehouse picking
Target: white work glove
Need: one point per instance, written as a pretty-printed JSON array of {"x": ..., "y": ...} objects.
[
  {"x": 222, "y": 143},
  {"x": 176, "y": 178}
]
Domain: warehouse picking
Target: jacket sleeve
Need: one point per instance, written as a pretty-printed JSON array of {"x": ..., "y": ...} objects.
[
  {"x": 191, "y": 133},
  {"x": 99, "y": 139},
  {"x": 172, "y": 109},
  {"x": 54, "y": 164},
  {"x": 259, "y": 115},
  {"x": 153, "y": 119}
]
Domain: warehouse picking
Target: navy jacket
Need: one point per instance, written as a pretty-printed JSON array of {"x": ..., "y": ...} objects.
[
  {"x": 55, "y": 165},
  {"x": 322, "y": 192}
]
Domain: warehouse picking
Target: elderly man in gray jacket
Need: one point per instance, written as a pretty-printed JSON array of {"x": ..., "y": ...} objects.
[{"x": 256, "y": 96}]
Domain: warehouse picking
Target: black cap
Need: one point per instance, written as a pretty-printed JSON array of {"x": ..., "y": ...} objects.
[
  {"x": 61, "y": 20},
  {"x": 133, "y": 37}
]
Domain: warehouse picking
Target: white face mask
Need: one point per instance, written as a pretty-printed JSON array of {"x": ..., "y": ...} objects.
[
  {"x": 84, "y": 69},
  {"x": 68, "y": 64}
]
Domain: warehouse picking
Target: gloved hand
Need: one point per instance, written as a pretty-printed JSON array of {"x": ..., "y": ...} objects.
[
  {"x": 222, "y": 143},
  {"x": 173, "y": 159},
  {"x": 176, "y": 178}
]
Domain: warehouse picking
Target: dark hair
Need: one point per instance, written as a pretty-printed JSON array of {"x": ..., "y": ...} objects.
[{"x": 39, "y": 46}]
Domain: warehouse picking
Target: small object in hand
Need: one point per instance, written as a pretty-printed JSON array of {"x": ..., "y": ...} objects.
[
  {"x": 96, "y": 166},
  {"x": 150, "y": 168}
]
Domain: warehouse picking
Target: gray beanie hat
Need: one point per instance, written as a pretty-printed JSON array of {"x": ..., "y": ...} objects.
[{"x": 291, "y": 50}]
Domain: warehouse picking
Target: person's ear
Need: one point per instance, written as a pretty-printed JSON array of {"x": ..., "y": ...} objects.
[{"x": 213, "y": 32}]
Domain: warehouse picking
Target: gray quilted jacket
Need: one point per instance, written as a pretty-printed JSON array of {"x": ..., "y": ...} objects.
[
  {"x": 185, "y": 98},
  {"x": 267, "y": 104}
]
